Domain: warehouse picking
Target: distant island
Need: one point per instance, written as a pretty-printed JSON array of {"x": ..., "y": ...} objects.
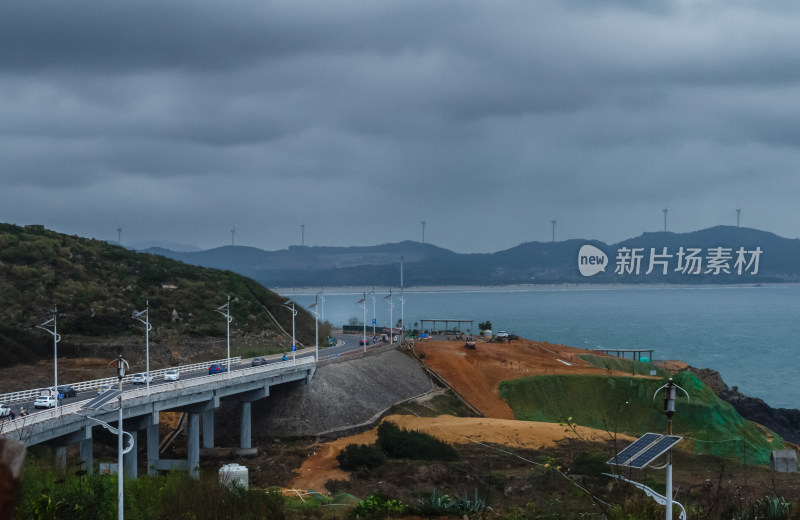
[{"x": 717, "y": 255}]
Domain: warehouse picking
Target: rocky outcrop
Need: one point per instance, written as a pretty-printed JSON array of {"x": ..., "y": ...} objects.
[{"x": 783, "y": 421}]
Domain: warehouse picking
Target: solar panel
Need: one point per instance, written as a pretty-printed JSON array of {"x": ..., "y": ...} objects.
[
  {"x": 654, "y": 451},
  {"x": 634, "y": 449},
  {"x": 102, "y": 399},
  {"x": 644, "y": 450}
]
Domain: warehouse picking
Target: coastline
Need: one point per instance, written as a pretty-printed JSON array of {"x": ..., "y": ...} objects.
[{"x": 306, "y": 291}]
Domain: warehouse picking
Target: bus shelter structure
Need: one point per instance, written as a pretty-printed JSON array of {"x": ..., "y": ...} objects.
[{"x": 447, "y": 322}]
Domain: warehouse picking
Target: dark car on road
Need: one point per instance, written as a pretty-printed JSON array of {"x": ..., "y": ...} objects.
[
  {"x": 66, "y": 391},
  {"x": 217, "y": 368},
  {"x": 257, "y": 362}
]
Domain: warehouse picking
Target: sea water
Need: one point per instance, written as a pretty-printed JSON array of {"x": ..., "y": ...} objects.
[{"x": 749, "y": 334}]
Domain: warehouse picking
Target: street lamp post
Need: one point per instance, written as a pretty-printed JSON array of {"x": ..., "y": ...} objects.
[
  {"x": 313, "y": 308},
  {"x": 56, "y": 338},
  {"x": 228, "y": 320},
  {"x": 374, "y": 316},
  {"x": 147, "y": 327},
  {"x": 294, "y": 313},
  {"x": 391, "y": 317},
  {"x": 363, "y": 304},
  {"x": 402, "y": 305}
]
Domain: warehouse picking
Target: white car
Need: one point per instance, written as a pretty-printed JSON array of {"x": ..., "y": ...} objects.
[
  {"x": 45, "y": 401},
  {"x": 502, "y": 334},
  {"x": 142, "y": 378},
  {"x": 172, "y": 375},
  {"x": 5, "y": 410}
]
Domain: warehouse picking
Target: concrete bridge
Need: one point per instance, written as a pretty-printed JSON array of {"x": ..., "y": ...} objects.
[{"x": 198, "y": 398}]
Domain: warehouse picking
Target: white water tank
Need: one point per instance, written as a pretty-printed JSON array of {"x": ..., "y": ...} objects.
[{"x": 234, "y": 475}]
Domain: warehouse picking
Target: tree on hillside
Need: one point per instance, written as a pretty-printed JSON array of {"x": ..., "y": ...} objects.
[{"x": 486, "y": 325}]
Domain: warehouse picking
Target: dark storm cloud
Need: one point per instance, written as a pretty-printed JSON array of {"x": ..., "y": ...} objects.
[{"x": 179, "y": 120}]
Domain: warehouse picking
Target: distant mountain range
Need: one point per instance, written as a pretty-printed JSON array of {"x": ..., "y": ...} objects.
[{"x": 722, "y": 254}]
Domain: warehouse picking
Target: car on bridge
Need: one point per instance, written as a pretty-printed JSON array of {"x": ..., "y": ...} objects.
[
  {"x": 257, "y": 362},
  {"x": 172, "y": 374},
  {"x": 65, "y": 391},
  {"x": 5, "y": 410},
  {"x": 217, "y": 368},
  {"x": 104, "y": 388},
  {"x": 45, "y": 401},
  {"x": 142, "y": 378}
]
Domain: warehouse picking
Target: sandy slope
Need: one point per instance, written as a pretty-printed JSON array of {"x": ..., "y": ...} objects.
[{"x": 322, "y": 466}]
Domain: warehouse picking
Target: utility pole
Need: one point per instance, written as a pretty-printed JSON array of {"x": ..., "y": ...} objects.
[
  {"x": 738, "y": 215},
  {"x": 233, "y": 234},
  {"x": 665, "y": 219},
  {"x": 423, "y": 231},
  {"x": 554, "y": 229},
  {"x": 119, "y": 236},
  {"x": 303, "y": 234}
]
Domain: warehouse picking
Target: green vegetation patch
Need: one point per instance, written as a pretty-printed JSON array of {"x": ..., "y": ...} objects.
[
  {"x": 97, "y": 286},
  {"x": 400, "y": 443},
  {"x": 625, "y": 405},
  {"x": 624, "y": 365}
]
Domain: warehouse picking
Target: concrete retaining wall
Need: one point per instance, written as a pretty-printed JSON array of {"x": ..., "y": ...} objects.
[{"x": 341, "y": 395}]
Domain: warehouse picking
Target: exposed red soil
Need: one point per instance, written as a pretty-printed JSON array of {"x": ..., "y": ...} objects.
[{"x": 476, "y": 374}]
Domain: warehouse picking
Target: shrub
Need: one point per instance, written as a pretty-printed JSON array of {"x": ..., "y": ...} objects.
[
  {"x": 355, "y": 456},
  {"x": 404, "y": 444},
  {"x": 376, "y": 507}
]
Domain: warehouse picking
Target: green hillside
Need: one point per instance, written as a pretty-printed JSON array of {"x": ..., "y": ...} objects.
[
  {"x": 625, "y": 405},
  {"x": 97, "y": 286}
]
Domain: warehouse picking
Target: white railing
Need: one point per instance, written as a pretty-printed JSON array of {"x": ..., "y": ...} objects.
[
  {"x": 26, "y": 421},
  {"x": 24, "y": 395}
]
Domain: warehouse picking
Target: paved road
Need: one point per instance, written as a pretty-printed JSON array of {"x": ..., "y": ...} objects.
[{"x": 345, "y": 343}]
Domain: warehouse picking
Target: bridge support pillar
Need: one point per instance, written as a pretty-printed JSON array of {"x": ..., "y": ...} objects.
[
  {"x": 130, "y": 459},
  {"x": 245, "y": 427},
  {"x": 87, "y": 451},
  {"x": 61, "y": 458},
  {"x": 208, "y": 429},
  {"x": 193, "y": 444},
  {"x": 152, "y": 445}
]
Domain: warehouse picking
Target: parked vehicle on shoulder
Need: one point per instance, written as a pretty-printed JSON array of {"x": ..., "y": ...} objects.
[
  {"x": 45, "y": 401},
  {"x": 257, "y": 362},
  {"x": 142, "y": 378},
  {"x": 5, "y": 410},
  {"x": 217, "y": 368},
  {"x": 172, "y": 374},
  {"x": 501, "y": 334}
]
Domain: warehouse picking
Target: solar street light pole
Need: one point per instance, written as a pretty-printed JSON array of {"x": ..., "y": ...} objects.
[{"x": 670, "y": 393}]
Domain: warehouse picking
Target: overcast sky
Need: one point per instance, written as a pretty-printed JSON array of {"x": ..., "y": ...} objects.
[{"x": 178, "y": 121}]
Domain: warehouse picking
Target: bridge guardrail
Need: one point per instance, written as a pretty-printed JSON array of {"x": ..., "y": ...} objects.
[
  {"x": 22, "y": 395},
  {"x": 26, "y": 421}
]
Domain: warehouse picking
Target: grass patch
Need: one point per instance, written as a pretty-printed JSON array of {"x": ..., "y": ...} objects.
[
  {"x": 625, "y": 405},
  {"x": 624, "y": 365}
]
